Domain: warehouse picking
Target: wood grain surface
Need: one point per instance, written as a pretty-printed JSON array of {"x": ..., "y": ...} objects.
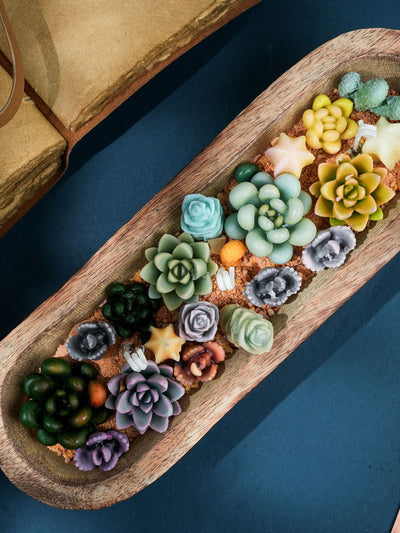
[{"x": 372, "y": 52}]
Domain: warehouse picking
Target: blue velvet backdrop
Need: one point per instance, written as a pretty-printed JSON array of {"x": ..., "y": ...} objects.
[{"x": 315, "y": 447}]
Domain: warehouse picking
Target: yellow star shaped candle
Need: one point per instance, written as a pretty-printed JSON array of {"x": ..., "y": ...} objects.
[
  {"x": 165, "y": 344},
  {"x": 289, "y": 154},
  {"x": 386, "y": 145}
]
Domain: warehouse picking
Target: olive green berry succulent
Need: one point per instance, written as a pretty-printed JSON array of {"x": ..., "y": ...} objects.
[
  {"x": 179, "y": 270},
  {"x": 61, "y": 406},
  {"x": 130, "y": 310},
  {"x": 269, "y": 214}
]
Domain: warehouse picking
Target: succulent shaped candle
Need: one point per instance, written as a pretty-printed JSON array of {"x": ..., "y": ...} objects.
[
  {"x": 328, "y": 123},
  {"x": 164, "y": 343},
  {"x": 272, "y": 286},
  {"x": 179, "y": 270},
  {"x": 270, "y": 216},
  {"x": 371, "y": 96},
  {"x": 199, "y": 363},
  {"x": 92, "y": 341},
  {"x": 350, "y": 191},
  {"x": 329, "y": 248},
  {"x": 386, "y": 145},
  {"x": 198, "y": 321},
  {"x": 102, "y": 450},
  {"x": 145, "y": 399},
  {"x": 247, "y": 329},
  {"x": 64, "y": 403},
  {"x": 390, "y": 108},
  {"x": 366, "y": 96},
  {"x": 289, "y": 155},
  {"x": 202, "y": 216},
  {"x": 130, "y": 309}
]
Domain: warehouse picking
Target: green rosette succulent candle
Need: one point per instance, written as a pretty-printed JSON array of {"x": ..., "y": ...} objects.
[
  {"x": 269, "y": 215},
  {"x": 179, "y": 270},
  {"x": 351, "y": 191},
  {"x": 246, "y": 329}
]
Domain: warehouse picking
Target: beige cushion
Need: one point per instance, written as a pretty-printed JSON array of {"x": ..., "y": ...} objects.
[
  {"x": 30, "y": 154},
  {"x": 77, "y": 54}
]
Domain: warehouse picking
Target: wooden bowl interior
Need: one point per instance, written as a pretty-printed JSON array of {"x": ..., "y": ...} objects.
[{"x": 52, "y": 467}]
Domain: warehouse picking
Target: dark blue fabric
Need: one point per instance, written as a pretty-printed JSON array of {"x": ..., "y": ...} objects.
[{"x": 314, "y": 448}]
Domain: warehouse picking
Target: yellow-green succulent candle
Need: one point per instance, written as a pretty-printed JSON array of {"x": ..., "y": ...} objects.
[
  {"x": 246, "y": 329},
  {"x": 351, "y": 191}
]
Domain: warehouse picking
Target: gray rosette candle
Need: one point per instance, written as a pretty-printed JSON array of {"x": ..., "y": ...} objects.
[
  {"x": 202, "y": 216},
  {"x": 198, "y": 321},
  {"x": 102, "y": 450},
  {"x": 272, "y": 286},
  {"x": 329, "y": 248},
  {"x": 92, "y": 341}
]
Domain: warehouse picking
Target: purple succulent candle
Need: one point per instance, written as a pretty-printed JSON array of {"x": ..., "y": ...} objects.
[
  {"x": 144, "y": 399},
  {"x": 102, "y": 450}
]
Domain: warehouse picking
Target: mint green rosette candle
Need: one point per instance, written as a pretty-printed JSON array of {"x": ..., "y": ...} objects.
[
  {"x": 247, "y": 329},
  {"x": 269, "y": 215},
  {"x": 202, "y": 216}
]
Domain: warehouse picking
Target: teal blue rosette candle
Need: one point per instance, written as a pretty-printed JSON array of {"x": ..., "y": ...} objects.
[{"x": 202, "y": 216}]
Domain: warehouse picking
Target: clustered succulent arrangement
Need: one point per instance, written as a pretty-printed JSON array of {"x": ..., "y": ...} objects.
[
  {"x": 328, "y": 124},
  {"x": 370, "y": 96},
  {"x": 68, "y": 403},
  {"x": 129, "y": 309}
]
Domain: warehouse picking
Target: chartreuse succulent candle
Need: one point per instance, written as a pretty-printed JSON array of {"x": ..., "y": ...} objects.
[
  {"x": 179, "y": 270},
  {"x": 328, "y": 123},
  {"x": 247, "y": 329},
  {"x": 351, "y": 191},
  {"x": 269, "y": 215},
  {"x": 202, "y": 216}
]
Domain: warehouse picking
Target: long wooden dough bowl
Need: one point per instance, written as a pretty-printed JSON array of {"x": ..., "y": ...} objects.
[{"x": 43, "y": 475}]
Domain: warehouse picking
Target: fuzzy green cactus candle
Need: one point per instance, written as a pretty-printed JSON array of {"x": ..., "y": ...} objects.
[
  {"x": 269, "y": 214},
  {"x": 246, "y": 329},
  {"x": 179, "y": 270}
]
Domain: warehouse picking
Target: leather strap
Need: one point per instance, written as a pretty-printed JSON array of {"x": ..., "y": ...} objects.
[{"x": 17, "y": 91}]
